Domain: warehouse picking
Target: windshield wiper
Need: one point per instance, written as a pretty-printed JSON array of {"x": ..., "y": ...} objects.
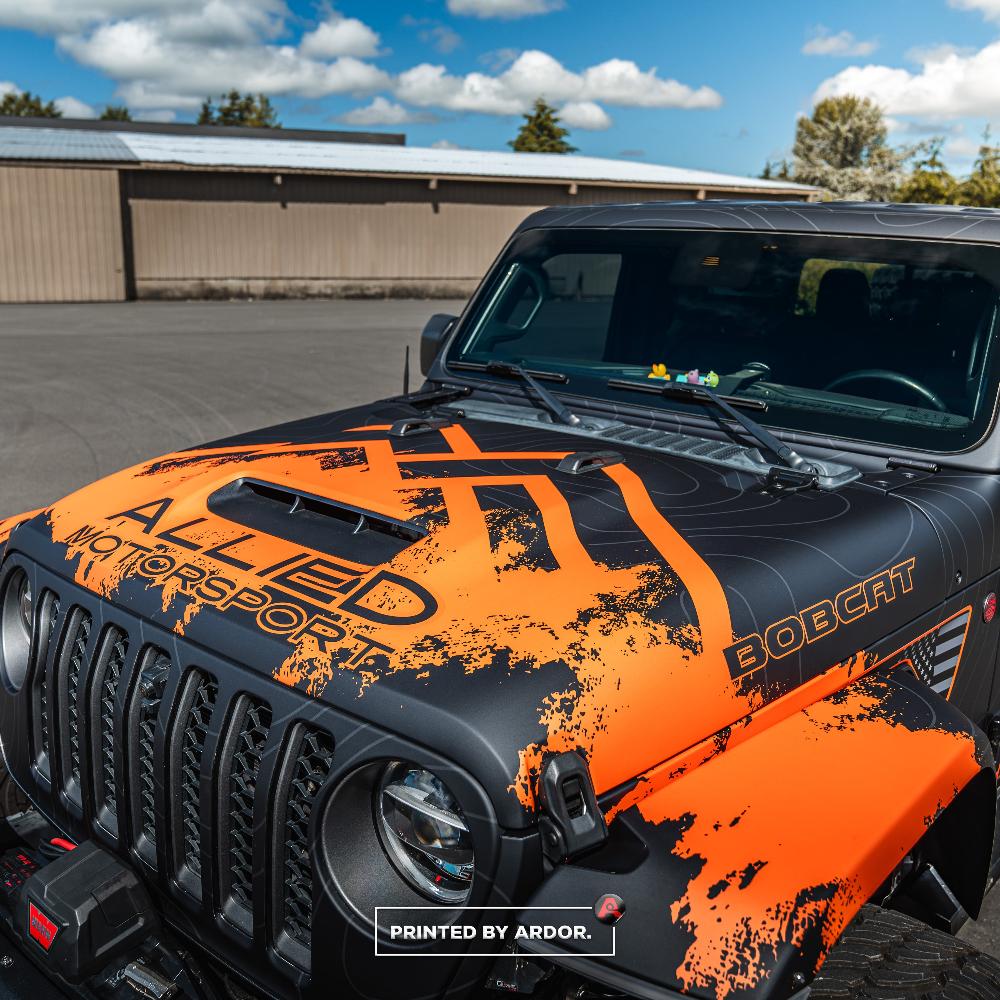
[
  {"x": 788, "y": 457},
  {"x": 561, "y": 413}
]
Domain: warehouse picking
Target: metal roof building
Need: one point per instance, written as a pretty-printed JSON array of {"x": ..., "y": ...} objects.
[{"x": 111, "y": 211}]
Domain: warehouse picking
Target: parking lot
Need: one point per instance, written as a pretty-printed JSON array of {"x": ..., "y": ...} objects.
[{"x": 88, "y": 389}]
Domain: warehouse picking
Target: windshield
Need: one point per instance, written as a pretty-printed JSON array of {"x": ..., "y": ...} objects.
[{"x": 873, "y": 339}]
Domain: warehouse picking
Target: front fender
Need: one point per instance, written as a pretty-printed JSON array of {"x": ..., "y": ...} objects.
[{"x": 739, "y": 876}]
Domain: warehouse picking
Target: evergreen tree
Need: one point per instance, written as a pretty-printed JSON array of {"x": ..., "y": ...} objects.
[
  {"x": 248, "y": 111},
  {"x": 27, "y": 105},
  {"x": 116, "y": 113},
  {"x": 777, "y": 170},
  {"x": 541, "y": 132}
]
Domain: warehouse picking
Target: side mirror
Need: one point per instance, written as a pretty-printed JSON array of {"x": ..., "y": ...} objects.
[{"x": 433, "y": 336}]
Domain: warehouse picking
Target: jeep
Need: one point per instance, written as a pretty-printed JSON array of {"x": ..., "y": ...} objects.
[{"x": 648, "y": 649}]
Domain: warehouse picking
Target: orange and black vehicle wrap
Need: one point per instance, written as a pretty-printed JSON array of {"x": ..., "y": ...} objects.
[{"x": 744, "y": 674}]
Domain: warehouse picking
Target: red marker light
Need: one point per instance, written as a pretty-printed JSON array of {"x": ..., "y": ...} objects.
[{"x": 989, "y": 608}]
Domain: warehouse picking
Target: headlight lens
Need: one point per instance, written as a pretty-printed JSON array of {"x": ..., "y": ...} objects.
[
  {"x": 424, "y": 833},
  {"x": 15, "y": 629}
]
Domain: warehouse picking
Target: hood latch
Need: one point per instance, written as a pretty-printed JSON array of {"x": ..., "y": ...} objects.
[{"x": 571, "y": 822}]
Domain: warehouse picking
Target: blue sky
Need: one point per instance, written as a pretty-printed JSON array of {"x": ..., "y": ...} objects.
[{"x": 716, "y": 85}]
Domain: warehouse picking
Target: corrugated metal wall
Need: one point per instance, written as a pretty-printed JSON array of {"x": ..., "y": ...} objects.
[
  {"x": 60, "y": 235},
  {"x": 212, "y": 233},
  {"x": 176, "y": 240}
]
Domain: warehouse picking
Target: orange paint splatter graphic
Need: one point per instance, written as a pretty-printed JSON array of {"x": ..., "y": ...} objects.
[{"x": 778, "y": 859}]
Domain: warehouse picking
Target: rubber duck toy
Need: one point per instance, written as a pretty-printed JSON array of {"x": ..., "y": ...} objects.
[{"x": 659, "y": 371}]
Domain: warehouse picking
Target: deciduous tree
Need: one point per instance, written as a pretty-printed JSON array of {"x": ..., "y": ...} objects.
[
  {"x": 843, "y": 148},
  {"x": 929, "y": 183}
]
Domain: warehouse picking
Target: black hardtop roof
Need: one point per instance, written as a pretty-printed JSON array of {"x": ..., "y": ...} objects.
[{"x": 844, "y": 218}]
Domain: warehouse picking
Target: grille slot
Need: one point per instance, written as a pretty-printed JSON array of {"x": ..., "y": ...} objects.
[
  {"x": 307, "y": 765},
  {"x": 109, "y": 666},
  {"x": 242, "y": 757},
  {"x": 144, "y": 710},
  {"x": 69, "y": 669},
  {"x": 48, "y": 617},
  {"x": 191, "y": 733}
]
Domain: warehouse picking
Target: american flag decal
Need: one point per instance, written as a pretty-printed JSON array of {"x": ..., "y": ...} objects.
[{"x": 935, "y": 656}]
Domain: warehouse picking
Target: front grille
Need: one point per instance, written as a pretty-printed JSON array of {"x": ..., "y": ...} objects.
[{"x": 196, "y": 781}]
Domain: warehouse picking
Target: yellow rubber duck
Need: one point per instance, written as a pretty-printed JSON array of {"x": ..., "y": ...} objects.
[{"x": 659, "y": 371}]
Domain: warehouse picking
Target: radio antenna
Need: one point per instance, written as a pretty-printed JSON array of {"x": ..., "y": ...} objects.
[{"x": 406, "y": 372}]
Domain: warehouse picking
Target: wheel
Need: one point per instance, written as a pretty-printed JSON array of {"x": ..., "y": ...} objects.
[
  {"x": 11, "y": 799},
  {"x": 884, "y": 955}
]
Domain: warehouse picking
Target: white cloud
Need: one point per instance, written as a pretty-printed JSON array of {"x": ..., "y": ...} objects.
[
  {"x": 620, "y": 81},
  {"x": 155, "y": 70},
  {"x": 341, "y": 36},
  {"x": 507, "y": 9},
  {"x": 168, "y": 55},
  {"x": 431, "y": 86},
  {"x": 585, "y": 115},
  {"x": 537, "y": 74},
  {"x": 73, "y": 108},
  {"x": 990, "y": 9},
  {"x": 843, "y": 43},
  {"x": 6, "y": 87},
  {"x": 950, "y": 84},
  {"x": 445, "y": 144},
  {"x": 443, "y": 38},
  {"x": 67, "y": 16},
  {"x": 383, "y": 112}
]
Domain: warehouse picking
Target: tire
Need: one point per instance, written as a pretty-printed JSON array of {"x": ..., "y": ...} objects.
[
  {"x": 11, "y": 799},
  {"x": 884, "y": 955}
]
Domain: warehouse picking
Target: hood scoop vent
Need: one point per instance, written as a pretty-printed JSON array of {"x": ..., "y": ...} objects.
[{"x": 329, "y": 526}]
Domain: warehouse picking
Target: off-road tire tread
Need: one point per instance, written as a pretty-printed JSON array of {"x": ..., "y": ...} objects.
[{"x": 884, "y": 955}]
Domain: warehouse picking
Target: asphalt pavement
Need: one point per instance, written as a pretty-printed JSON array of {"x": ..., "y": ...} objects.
[{"x": 89, "y": 389}]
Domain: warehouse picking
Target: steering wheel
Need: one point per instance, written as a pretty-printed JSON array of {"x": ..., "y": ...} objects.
[{"x": 897, "y": 378}]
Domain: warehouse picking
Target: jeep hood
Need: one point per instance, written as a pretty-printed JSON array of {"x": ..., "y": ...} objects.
[{"x": 455, "y": 587}]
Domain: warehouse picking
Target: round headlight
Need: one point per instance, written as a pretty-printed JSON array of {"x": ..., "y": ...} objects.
[
  {"x": 424, "y": 833},
  {"x": 16, "y": 618}
]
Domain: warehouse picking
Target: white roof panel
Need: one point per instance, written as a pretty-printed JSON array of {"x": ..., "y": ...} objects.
[{"x": 284, "y": 154}]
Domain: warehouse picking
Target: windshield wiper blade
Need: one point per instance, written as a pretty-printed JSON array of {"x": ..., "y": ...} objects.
[
  {"x": 788, "y": 457},
  {"x": 561, "y": 413}
]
